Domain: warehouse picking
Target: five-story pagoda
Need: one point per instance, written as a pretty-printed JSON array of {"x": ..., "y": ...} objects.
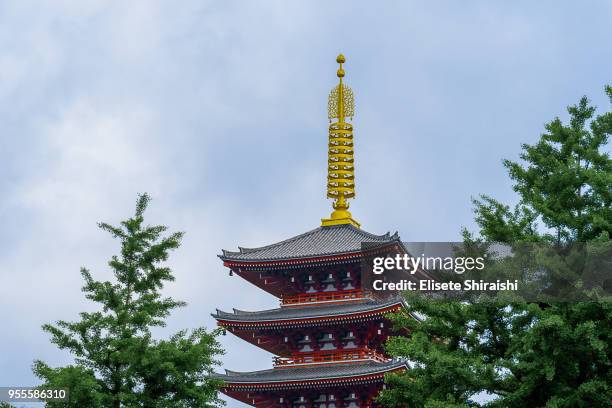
[{"x": 328, "y": 332}]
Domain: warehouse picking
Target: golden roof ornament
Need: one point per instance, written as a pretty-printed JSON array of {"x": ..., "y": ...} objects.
[{"x": 340, "y": 159}]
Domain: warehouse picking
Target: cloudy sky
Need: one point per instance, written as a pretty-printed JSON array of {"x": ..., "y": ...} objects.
[{"x": 218, "y": 110}]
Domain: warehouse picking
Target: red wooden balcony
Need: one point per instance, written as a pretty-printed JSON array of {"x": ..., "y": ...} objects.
[
  {"x": 325, "y": 357},
  {"x": 323, "y": 297}
]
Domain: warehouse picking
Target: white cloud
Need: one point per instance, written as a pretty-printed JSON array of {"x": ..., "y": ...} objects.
[{"x": 218, "y": 110}]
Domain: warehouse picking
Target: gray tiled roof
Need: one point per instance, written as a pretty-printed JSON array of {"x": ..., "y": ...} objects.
[
  {"x": 287, "y": 313},
  {"x": 332, "y": 240},
  {"x": 309, "y": 373}
]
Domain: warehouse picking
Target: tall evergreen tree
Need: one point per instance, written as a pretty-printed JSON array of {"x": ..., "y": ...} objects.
[
  {"x": 556, "y": 355},
  {"x": 567, "y": 183},
  {"x": 118, "y": 363}
]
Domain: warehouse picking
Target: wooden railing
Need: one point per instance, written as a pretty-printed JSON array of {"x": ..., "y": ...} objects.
[
  {"x": 320, "y": 297},
  {"x": 323, "y": 357}
]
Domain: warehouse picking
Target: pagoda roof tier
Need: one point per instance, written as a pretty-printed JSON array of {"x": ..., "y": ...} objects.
[
  {"x": 319, "y": 242},
  {"x": 302, "y": 377},
  {"x": 309, "y": 315}
]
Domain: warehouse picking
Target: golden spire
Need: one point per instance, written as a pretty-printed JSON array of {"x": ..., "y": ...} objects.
[{"x": 340, "y": 160}]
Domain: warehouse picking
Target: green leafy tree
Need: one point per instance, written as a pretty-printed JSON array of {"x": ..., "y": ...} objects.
[
  {"x": 118, "y": 363},
  {"x": 84, "y": 390},
  {"x": 554, "y": 355},
  {"x": 566, "y": 182}
]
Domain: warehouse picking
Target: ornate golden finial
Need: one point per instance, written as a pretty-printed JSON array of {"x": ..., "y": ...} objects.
[
  {"x": 340, "y": 163},
  {"x": 341, "y": 102}
]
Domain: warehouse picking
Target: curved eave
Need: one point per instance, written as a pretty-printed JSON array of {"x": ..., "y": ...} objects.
[
  {"x": 230, "y": 262},
  {"x": 316, "y": 319},
  {"x": 321, "y": 242},
  {"x": 235, "y": 384},
  {"x": 291, "y": 262}
]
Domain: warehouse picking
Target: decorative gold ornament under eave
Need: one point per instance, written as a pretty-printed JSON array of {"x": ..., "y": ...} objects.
[{"x": 340, "y": 159}]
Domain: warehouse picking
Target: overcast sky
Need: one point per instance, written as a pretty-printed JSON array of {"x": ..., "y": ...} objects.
[{"x": 218, "y": 110}]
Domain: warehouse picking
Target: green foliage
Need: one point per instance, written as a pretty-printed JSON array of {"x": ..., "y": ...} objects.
[
  {"x": 554, "y": 355},
  {"x": 118, "y": 363},
  {"x": 453, "y": 348},
  {"x": 500, "y": 224},
  {"x": 558, "y": 356},
  {"x": 84, "y": 389},
  {"x": 566, "y": 182}
]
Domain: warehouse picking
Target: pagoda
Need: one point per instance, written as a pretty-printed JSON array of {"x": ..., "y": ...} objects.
[{"x": 328, "y": 332}]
